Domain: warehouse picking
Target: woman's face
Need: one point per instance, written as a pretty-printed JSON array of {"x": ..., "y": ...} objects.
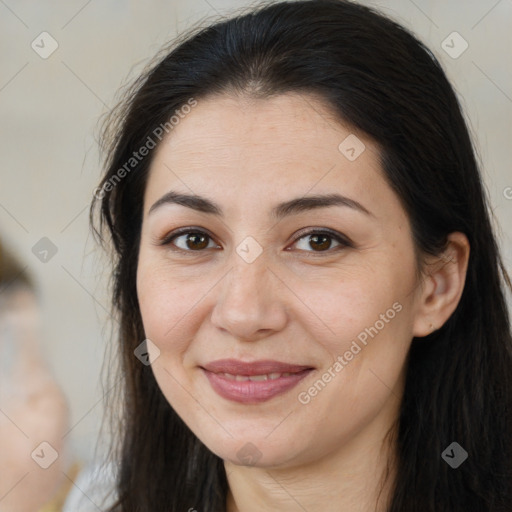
[{"x": 293, "y": 254}]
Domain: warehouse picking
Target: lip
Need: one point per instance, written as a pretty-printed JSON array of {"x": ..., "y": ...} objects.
[
  {"x": 253, "y": 391},
  {"x": 236, "y": 367}
]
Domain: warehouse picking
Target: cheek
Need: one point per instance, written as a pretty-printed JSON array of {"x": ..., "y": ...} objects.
[
  {"x": 363, "y": 323},
  {"x": 169, "y": 305},
  {"x": 157, "y": 296},
  {"x": 166, "y": 307},
  {"x": 344, "y": 304}
]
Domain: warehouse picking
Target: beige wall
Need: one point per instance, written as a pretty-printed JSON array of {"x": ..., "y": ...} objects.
[{"x": 49, "y": 110}]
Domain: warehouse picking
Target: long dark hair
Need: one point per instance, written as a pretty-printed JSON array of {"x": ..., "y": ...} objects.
[{"x": 376, "y": 76}]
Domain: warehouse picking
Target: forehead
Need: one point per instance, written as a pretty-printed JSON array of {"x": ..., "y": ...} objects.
[
  {"x": 290, "y": 124},
  {"x": 286, "y": 145}
]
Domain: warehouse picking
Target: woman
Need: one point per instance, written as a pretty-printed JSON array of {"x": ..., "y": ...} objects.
[{"x": 310, "y": 293}]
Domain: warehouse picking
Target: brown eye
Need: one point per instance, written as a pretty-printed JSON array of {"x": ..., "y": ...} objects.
[
  {"x": 190, "y": 241},
  {"x": 320, "y": 241},
  {"x": 196, "y": 241}
]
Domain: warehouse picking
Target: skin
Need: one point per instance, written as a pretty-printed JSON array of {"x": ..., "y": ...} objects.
[{"x": 296, "y": 302}]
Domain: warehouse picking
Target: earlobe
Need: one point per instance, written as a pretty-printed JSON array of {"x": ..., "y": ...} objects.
[{"x": 443, "y": 284}]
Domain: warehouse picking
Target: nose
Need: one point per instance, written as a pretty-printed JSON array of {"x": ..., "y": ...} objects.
[{"x": 250, "y": 304}]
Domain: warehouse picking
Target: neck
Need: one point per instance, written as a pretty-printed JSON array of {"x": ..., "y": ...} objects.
[{"x": 358, "y": 477}]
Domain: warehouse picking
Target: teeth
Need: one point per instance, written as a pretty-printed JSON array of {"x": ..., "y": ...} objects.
[{"x": 256, "y": 378}]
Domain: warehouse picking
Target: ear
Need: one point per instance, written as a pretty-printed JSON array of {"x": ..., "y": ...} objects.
[{"x": 442, "y": 285}]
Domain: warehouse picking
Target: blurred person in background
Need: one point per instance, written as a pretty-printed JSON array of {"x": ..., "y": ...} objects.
[{"x": 34, "y": 413}]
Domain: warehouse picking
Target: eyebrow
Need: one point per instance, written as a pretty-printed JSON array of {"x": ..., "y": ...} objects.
[{"x": 287, "y": 208}]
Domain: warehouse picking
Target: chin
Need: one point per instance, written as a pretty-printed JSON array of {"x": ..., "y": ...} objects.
[{"x": 256, "y": 450}]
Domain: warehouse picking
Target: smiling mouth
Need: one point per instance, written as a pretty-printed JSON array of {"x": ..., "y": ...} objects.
[{"x": 253, "y": 382}]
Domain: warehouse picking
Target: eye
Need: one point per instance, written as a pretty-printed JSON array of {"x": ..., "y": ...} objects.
[
  {"x": 195, "y": 240},
  {"x": 321, "y": 241},
  {"x": 190, "y": 240}
]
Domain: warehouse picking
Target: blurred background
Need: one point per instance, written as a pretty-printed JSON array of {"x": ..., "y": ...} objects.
[{"x": 62, "y": 63}]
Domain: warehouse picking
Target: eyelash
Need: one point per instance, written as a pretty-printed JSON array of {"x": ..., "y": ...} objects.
[{"x": 338, "y": 237}]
